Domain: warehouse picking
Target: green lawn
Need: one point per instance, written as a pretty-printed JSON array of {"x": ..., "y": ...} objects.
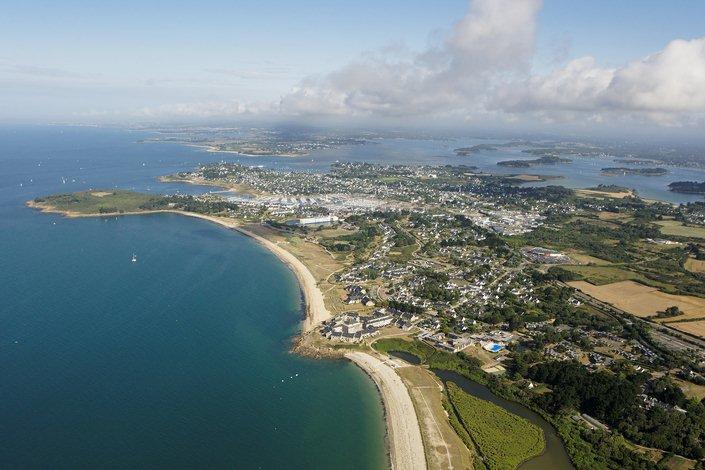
[
  {"x": 505, "y": 440},
  {"x": 673, "y": 227}
]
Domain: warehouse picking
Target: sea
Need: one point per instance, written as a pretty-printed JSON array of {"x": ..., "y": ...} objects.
[
  {"x": 178, "y": 360},
  {"x": 181, "y": 358}
]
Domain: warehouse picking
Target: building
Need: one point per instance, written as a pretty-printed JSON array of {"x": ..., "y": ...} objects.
[{"x": 327, "y": 219}]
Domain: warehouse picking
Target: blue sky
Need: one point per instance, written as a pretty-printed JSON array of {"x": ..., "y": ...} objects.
[{"x": 77, "y": 59}]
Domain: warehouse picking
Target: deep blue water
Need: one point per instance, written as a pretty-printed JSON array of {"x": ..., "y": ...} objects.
[{"x": 176, "y": 361}]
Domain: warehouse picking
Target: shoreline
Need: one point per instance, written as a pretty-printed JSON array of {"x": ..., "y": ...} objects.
[
  {"x": 404, "y": 441},
  {"x": 315, "y": 309},
  {"x": 406, "y": 448}
]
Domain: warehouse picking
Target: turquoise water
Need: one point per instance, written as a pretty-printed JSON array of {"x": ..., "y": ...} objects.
[{"x": 176, "y": 361}]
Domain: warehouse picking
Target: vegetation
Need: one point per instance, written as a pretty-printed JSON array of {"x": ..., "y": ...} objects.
[
  {"x": 587, "y": 449},
  {"x": 545, "y": 160},
  {"x": 634, "y": 171},
  {"x": 353, "y": 242},
  {"x": 98, "y": 202},
  {"x": 504, "y": 440},
  {"x": 615, "y": 400},
  {"x": 688, "y": 187}
]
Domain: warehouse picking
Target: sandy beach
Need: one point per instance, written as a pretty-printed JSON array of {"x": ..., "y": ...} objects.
[{"x": 405, "y": 443}]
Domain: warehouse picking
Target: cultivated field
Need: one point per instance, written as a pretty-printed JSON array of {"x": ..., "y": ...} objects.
[
  {"x": 696, "y": 328},
  {"x": 641, "y": 300}
]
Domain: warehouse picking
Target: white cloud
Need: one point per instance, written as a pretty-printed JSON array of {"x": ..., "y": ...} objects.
[
  {"x": 667, "y": 87},
  {"x": 495, "y": 40},
  {"x": 482, "y": 70}
]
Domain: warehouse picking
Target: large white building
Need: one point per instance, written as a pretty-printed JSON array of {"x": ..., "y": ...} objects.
[{"x": 317, "y": 220}]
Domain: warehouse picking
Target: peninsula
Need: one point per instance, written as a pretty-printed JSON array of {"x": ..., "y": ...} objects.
[
  {"x": 545, "y": 160},
  {"x": 614, "y": 171},
  {"x": 687, "y": 187}
]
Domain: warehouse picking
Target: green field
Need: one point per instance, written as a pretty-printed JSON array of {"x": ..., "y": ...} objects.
[
  {"x": 504, "y": 440},
  {"x": 600, "y": 275},
  {"x": 403, "y": 254},
  {"x": 95, "y": 202},
  {"x": 675, "y": 228}
]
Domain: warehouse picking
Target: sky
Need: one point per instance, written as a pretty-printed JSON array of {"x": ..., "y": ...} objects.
[{"x": 529, "y": 64}]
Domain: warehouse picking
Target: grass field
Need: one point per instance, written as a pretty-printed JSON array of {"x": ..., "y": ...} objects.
[
  {"x": 673, "y": 227},
  {"x": 611, "y": 216},
  {"x": 587, "y": 259},
  {"x": 603, "y": 194},
  {"x": 94, "y": 202},
  {"x": 695, "y": 265},
  {"x": 504, "y": 440},
  {"x": 403, "y": 254},
  {"x": 690, "y": 389},
  {"x": 641, "y": 300},
  {"x": 600, "y": 275}
]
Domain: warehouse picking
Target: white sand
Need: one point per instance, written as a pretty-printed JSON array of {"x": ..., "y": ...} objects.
[{"x": 405, "y": 443}]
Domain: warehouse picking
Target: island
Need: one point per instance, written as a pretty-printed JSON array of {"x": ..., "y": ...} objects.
[
  {"x": 545, "y": 160},
  {"x": 617, "y": 171},
  {"x": 254, "y": 142},
  {"x": 687, "y": 187},
  {"x": 466, "y": 151}
]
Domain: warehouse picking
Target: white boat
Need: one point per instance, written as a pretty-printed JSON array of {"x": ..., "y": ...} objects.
[{"x": 134, "y": 258}]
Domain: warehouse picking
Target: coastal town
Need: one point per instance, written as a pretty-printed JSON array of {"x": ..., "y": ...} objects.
[{"x": 516, "y": 285}]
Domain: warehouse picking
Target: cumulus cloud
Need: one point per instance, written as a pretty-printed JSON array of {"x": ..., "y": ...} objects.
[
  {"x": 483, "y": 68},
  {"x": 495, "y": 40},
  {"x": 664, "y": 86}
]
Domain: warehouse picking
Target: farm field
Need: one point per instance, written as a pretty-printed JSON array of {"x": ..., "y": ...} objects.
[
  {"x": 673, "y": 227},
  {"x": 696, "y": 328},
  {"x": 641, "y": 300}
]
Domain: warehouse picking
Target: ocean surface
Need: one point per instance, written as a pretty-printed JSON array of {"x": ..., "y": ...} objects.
[{"x": 179, "y": 360}]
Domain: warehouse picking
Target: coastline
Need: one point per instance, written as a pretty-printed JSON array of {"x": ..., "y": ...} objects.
[
  {"x": 316, "y": 311},
  {"x": 406, "y": 447},
  {"x": 404, "y": 439}
]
